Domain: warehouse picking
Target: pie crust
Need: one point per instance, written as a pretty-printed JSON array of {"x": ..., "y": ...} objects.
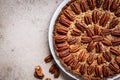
[{"x": 87, "y": 38}]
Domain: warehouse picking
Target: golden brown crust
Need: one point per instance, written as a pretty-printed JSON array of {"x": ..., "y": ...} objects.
[{"x": 87, "y": 38}]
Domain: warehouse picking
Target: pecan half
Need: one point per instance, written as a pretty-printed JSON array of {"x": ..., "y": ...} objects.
[
  {"x": 76, "y": 32},
  {"x": 97, "y": 30},
  {"x": 85, "y": 39},
  {"x": 116, "y": 42},
  {"x": 75, "y": 65},
  {"x": 62, "y": 46},
  {"x": 106, "y": 4},
  {"x": 90, "y": 59},
  {"x": 114, "y": 51},
  {"x": 113, "y": 23},
  {"x": 48, "y": 58},
  {"x": 115, "y": 33},
  {"x": 99, "y": 3},
  {"x": 91, "y": 46},
  {"x": 52, "y": 69},
  {"x": 72, "y": 40},
  {"x": 48, "y": 79},
  {"x": 106, "y": 71},
  {"x": 98, "y": 48},
  {"x": 75, "y": 8},
  {"x": 98, "y": 72},
  {"x": 87, "y": 19},
  {"x": 107, "y": 56},
  {"x": 117, "y": 59},
  {"x": 90, "y": 69},
  {"x": 38, "y": 72},
  {"x": 64, "y": 53},
  {"x": 114, "y": 67},
  {"x": 74, "y": 48},
  {"x": 83, "y": 6},
  {"x": 91, "y": 4},
  {"x": 56, "y": 73},
  {"x": 80, "y": 26},
  {"x": 105, "y": 32},
  {"x": 114, "y": 5},
  {"x": 89, "y": 32},
  {"x": 95, "y": 16},
  {"x": 97, "y": 38},
  {"x": 82, "y": 56},
  {"x": 106, "y": 42},
  {"x": 100, "y": 59},
  {"x": 69, "y": 15},
  {"x": 83, "y": 69},
  {"x": 60, "y": 38},
  {"x": 62, "y": 30},
  {"x": 117, "y": 12},
  {"x": 64, "y": 21},
  {"x": 69, "y": 60},
  {"x": 104, "y": 19}
]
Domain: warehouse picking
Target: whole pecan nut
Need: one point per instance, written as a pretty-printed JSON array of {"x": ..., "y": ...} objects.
[
  {"x": 82, "y": 56},
  {"x": 90, "y": 59},
  {"x": 74, "y": 48},
  {"x": 85, "y": 39},
  {"x": 64, "y": 21},
  {"x": 48, "y": 58},
  {"x": 75, "y": 8},
  {"x": 107, "y": 56},
  {"x": 104, "y": 19},
  {"x": 69, "y": 15}
]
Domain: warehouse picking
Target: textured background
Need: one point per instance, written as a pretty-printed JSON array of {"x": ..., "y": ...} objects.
[{"x": 23, "y": 38}]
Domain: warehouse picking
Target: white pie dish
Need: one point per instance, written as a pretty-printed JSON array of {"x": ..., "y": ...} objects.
[{"x": 51, "y": 46}]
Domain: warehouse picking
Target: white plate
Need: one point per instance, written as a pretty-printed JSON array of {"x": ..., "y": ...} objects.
[{"x": 50, "y": 37}]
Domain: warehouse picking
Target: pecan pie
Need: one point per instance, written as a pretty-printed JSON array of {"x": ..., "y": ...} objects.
[{"x": 87, "y": 38}]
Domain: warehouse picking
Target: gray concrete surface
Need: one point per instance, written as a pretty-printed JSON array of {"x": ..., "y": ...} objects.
[{"x": 23, "y": 38}]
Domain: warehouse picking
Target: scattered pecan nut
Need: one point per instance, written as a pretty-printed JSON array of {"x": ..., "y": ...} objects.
[
  {"x": 48, "y": 79},
  {"x": 38, "y": 72},
  {"x": 48, "y": 58}
]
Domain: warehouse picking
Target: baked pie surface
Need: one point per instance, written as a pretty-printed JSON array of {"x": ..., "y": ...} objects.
[{"x": 87, "y": 38}]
